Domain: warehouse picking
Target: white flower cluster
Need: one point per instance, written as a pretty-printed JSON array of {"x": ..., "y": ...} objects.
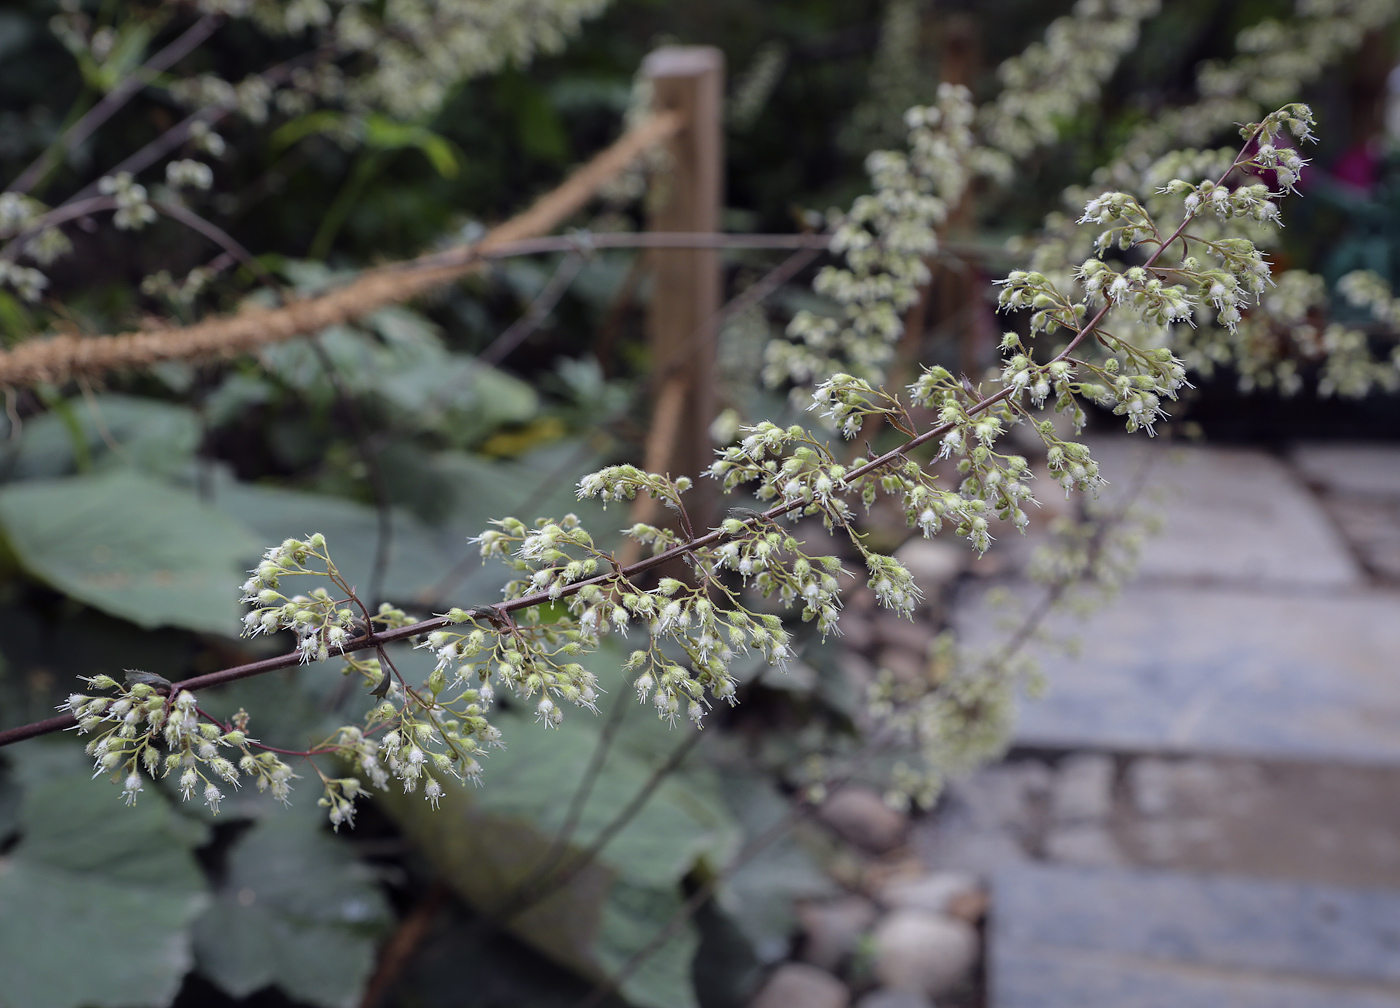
[
  {"x": 416, "y": 748},
  {"x": 1133, "y": 376},
  {"x": 1157, "y": 301},
  {"x": 130, "y": 729},
  {"x": 436, "y": 728},
  {"x": 182, "y": 292},
  {"x": 1135, "y": 226},
  {"x": 888, "y": 236},
  {"x": 1034, "y": 290},
  {"x": 414, "y": 51},
  {"x": 189, "y": 172},
  {"x": 1275, "y": 59},
  {"x": 18, "y": 213},
  {"x": 28, "y": 282},
  {"x": 885, "y": 239},
  {"x": 847, "y": 401},
  {"x": 1046, "y": 84},
  {"x": 21, "y": 219},
  {"x": 527, "y": 659},
  {"x": 545, "y": 552},
  {"x": 1132, "y": 383},
  {"x": 1349, "y": 367},
  {"x": 808, "y": 480},
  {"x": 710, "y": 638},
  {"x": 321, "y": 622},
  {"x": 134, "y": 210}
]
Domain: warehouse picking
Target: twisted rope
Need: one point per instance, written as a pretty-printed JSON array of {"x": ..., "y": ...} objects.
[{"x": 62, "y": 357}]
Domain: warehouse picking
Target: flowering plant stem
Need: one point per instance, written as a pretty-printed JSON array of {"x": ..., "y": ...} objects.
[{"x": 501, "y": 610}]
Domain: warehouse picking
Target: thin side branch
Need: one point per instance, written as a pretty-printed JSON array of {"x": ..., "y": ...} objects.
[
  {"x": 219, "y": 237},
  {"x": 523, "y": 327},
  {"x": 115, "y": 99}
]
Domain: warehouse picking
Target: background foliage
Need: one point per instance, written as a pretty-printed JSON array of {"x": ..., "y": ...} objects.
[{"x": 129, "y": 513}]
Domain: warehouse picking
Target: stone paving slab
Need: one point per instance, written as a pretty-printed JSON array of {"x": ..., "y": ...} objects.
[
  {"x": 1218, "y": 671},
  {"x": 1121, "y": 938},
  {"x": 1372, "y": 525},
  {"x": 1231, "y": 515},
  {"x": 1371, "y": 470},
  {"x": 1038, "y": 978}
]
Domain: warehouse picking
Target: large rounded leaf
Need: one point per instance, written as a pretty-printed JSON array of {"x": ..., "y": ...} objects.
[
  {"x": 296, "y": 910},
  {"x": 113, "y": 431},
  {"x": 417, "y": 559},
  {"x": 98, "y": 899},
  {"x": 133, "y": 547}
]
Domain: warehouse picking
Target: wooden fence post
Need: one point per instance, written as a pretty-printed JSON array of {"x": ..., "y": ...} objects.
[{"x": 686, "y": 283}]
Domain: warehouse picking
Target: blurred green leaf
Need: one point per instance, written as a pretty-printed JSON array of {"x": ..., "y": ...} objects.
[
  {"x": 377, "y": 131},
  {"x": 107, "y": 894},
  {"x": 237, "y": 395},
  {"x": 126, "y": 55},
  {"x": 417, "y": 557},
  {"x": 468, "y": 400},
  {"x": 487, "y": 842},
  {"x": 297, "y": 910},
  {"x": 390, "y": 134},
  {"x": 541, "y": 483},
  {"x": 320, "y": 121},
  {"x": 116, "y": 430},
  {"x": 133, "y": 547},
  {"x": 354, "y": 354},
  {"x": 760, "y": 896},
  {"x": 413, "y": 336},
  {"x": 15, "y": 320},
  {"x": 539, "y": 131}
]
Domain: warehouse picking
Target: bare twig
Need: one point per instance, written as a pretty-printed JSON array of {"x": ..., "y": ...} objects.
[
  {"x": 621, "y": 705},
  {"x": 219, "y": 237},
  {"x": 192, "y": 37},
  {"x": 399, "y": 949},
  {"x": 176, "y": 135},
  {"x": 529, "y": 895},
  {"x": 384, "y": 519},
  {"x": 522, "y": 328}
]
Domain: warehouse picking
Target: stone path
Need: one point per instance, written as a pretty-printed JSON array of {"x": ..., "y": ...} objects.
[
  {"x": 1223, "y": 671},
  {"x": 1231, "y": 515},
  {"x": 1201, "y": 808},
  {"x": 1080, "y": 937}
]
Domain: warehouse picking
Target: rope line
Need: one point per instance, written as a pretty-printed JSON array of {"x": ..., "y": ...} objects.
[{"x": 66, "y": 356}]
